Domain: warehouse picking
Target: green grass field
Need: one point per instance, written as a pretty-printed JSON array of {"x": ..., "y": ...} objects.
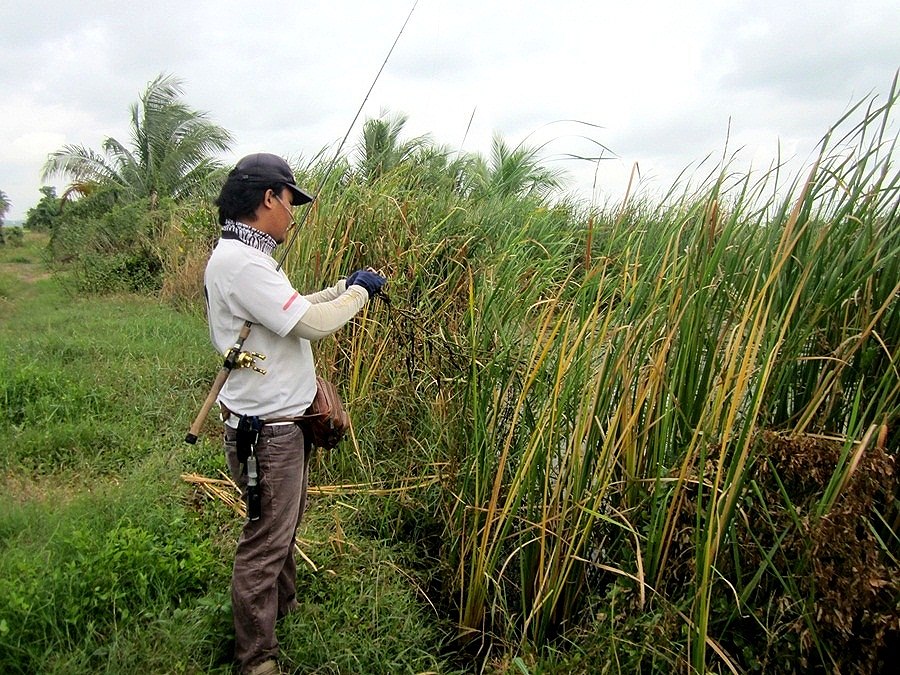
[{"x": 110, "y": 561}]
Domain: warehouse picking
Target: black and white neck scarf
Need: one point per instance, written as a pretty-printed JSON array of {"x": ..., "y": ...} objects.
[{"x": 233, "y": 229}]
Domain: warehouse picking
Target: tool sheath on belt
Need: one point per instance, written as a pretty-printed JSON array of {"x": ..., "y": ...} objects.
[{"x": 247, "y": 435}]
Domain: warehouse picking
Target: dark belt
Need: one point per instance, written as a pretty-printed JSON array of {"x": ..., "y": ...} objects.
[{"x": 226, "y": 414}]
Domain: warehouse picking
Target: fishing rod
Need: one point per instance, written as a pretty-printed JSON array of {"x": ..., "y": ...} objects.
[{"x": 235, "y": 357}]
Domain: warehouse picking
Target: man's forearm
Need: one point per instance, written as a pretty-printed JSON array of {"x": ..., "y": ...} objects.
[
  {"x": 324, "y": 318},
  {"x": 328, "y": 294}
]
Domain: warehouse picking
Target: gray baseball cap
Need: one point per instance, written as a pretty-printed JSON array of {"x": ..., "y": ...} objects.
[{"x": 265, "y": 167}]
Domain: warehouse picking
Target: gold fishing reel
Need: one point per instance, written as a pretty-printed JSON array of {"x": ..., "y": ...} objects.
[{"x": 248, "y": 360}]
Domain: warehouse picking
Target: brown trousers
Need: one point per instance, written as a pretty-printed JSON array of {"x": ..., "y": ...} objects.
[{"x": 263, "y": 582}]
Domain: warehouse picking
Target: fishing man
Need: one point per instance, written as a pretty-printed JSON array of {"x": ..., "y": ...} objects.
[{"x": 243, "y": 283}]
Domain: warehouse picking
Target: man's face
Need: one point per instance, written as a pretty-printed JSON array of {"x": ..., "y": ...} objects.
[{"x": 284, "y": 216}]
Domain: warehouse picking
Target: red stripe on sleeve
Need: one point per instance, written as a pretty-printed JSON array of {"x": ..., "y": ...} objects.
[{"x": 290, "y": 301}]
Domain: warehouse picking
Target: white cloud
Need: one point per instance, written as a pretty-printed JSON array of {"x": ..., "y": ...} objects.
[{"x": 662, "y": 79}]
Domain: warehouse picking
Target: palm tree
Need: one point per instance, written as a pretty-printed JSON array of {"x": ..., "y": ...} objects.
[
  {"x": 4, "y": 206},
  {"x": 171, "y": 153},
  {"x": 381, "y": 150},
  {"x": 516, "y": 172},
  {"x": 438, "y": 167}
]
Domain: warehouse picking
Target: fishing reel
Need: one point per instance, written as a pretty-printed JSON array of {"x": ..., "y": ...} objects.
[{"x": 247, "y": 360}]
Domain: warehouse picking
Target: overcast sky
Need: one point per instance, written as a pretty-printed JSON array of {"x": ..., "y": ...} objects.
[{"x": 660, "y": 80}]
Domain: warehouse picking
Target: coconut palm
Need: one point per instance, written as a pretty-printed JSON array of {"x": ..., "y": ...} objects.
[
  {"x": 381, "y": 149},
  {"x": 516, "y": 172},
  {"x": 4, "y": 206},
  {"x": 171, "y": 152}
]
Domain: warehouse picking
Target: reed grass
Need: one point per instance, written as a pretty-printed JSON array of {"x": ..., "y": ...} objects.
[{"x": 599, "y": 382}]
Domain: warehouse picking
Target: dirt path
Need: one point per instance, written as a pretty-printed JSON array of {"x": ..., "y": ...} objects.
[
  {"x": 26, "y": 262},
  {"x": 26, "y": 272}
]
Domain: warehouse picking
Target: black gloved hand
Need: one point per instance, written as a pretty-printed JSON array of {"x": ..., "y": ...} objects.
[
  {"x": 371, "y": 281},
  {"x": 352, "y": 278}
]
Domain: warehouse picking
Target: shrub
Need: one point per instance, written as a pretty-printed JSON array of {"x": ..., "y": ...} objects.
[
  {"x": 40, "y": 218},
  {"x": 110, "y": 245},
  {"x": 14, "y": 236}
]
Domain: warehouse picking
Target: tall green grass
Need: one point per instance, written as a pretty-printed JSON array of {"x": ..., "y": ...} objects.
[{"x": 597, "y": 386}]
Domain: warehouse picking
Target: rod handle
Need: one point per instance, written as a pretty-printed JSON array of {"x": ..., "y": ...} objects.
[{"x": 210, "y": 401}]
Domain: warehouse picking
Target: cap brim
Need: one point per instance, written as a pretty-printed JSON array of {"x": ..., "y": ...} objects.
[{"x": 300, "y": 197}]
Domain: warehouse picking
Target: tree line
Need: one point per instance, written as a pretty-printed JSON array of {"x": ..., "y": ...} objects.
[{"x": 118, "y": 199}]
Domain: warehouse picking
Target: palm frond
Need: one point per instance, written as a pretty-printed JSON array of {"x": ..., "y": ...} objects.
[{"x": 171, "y": 147}]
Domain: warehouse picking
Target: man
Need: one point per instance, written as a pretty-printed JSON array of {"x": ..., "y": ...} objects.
[{"x": 242, "y": 283}]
